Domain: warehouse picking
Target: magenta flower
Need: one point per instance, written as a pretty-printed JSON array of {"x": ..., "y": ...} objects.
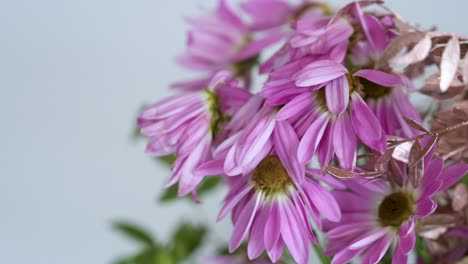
[
  {"x": 269, "y": 206},
  {"x": 376, "y": 213},
  {"x": 186, "y": 124},
  {"x": 220, "y": 41}
]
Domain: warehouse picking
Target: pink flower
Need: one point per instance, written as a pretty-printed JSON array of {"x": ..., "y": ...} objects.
[
  {"x": 375, "y": 213},
  {"x": 386, "y": 97},
  {"x": 221, "y": 41},
  {"x": 186, "y": 124},
  {"x": 328, "y": 119},
  {"x": 269, "y": 206}
]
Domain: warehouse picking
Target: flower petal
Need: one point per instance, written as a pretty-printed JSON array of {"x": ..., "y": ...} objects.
[
  {"x": 366, "y": 125},
  {"x": 380, "y": 77},
  {"x": 344, "y": 142},
  {"x": 319, "y": 72},
  {"x": 312, "y": 138},
  {"x": 243, "y": 223},
  {"x": 337, "y": 95},
  {"x": 286, "y": 144}
]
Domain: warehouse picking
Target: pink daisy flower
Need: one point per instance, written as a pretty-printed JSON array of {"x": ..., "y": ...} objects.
[
  {"x": 186, "y": 124},
  {"x": 269, "y": 206},
  {"x": 376, "y": 213},
  {"x": 385, "y": 93},
  {"x": 329, "y": 120},
  {"x": 221, "y": 41}
]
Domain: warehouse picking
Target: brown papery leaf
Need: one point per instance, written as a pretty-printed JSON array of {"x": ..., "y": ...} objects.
[
  {"x": 347, "y": 8},
  {"x": 439, "y": 50},
  {"x": 459, "y": 113},
  {"x": 439, "y": 220},
  {"x": 416, "y": 171},
  {"x": 384, "y": 159},
  {"x": 449, "y": 64},
  {"x": 465, "y": 68},
  {"x": 412, "y": 123},
  {"x": 344, "y": 174},
  {"x": 395, "y": 173},
  {"x": 418, "y": 53},
  {"x": 339, "y": 173},
  {"x": 460, "y": 197},
  {"x": 398, "y": 44},
  {"x": 425, "y": 151}
]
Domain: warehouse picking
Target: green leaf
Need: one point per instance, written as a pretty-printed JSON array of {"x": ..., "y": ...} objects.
[
  {"x": 323, "y": 258},
  {"x": 421, "y": 249},
  {"x": 134, "y": 232},
  {"x": 166, "y": 160},
  {"x": 186, "y": 239},
  {"x": 205, "y": 187}
]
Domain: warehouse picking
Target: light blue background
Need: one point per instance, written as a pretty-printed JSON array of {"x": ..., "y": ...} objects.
[{"x": 72, "y": 76}]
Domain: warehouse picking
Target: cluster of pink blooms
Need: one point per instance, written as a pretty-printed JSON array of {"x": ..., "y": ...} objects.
[{"x": 330, "y": 142}]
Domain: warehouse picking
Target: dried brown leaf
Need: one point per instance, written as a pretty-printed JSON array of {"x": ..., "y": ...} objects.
[
  {"x": 418, "y": 53},
  {"x": 412, "y": 123},
  {"x": 402, "y": 151},
  {"x": 449, "y": 64},
  {"x": 384, "y": 159},
  {"x": 416, "y": 171},
  {"x": 425, "y": 151},
  {"x": 459, "y": 113},
  {"x": 339, "y": 173},
  {"x": 446, "y": 220},
  {"x": 347, "y": 8},
  {"x": 432, "y": 88},
  {"x": 460, "y": 197},
  {"x": 398, "y": 44},
  {"x": 439, "y": 50},
  {"x": 465, "y": 68},
  {"x": 395, "y": 172},
  {"x": 344, "y": 174}
]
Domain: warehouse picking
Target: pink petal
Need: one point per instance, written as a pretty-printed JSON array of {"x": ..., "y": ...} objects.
[
  {"x": 295, "y": 106},
  {"x": 407, "y": 243},
  {"x": 369, "y": 238},
  {"x": 293, "y": 234},
  {"x": 377, "y": 250},
  {"x": 452, "y": 174},
  {"x": 286, "y": 144},
  {"x": 380, "y": 77},
  {"x": 366, "y": 125},
  {"x": 337, "y": 95},
  {"x": 255, "y": 47},
  {"x": 344, "y": 142},
  {"x": 242, "y": 226},
  {"x": 272, "y": 227},
  {"x": 277, "y": 250},
  {"x": 319, "y": 72},
  {"x": 229, "y": 204},
  {"x": 256, "y": 243},
  {"x": 311, "y": 139},
  {"x": 425, "y": 207},
  {"x": 323, "y": 201}
]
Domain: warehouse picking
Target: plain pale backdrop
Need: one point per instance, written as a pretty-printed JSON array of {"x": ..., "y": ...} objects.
[{"x": 72, "y": 76}]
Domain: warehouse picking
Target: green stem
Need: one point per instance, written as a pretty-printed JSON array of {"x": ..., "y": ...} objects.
[
  {"x": 421, "y": 249},
  {"x": 323, "y": 258}
]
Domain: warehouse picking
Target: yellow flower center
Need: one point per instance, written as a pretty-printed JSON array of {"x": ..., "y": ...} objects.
[{"x": 270, "y": 175}]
